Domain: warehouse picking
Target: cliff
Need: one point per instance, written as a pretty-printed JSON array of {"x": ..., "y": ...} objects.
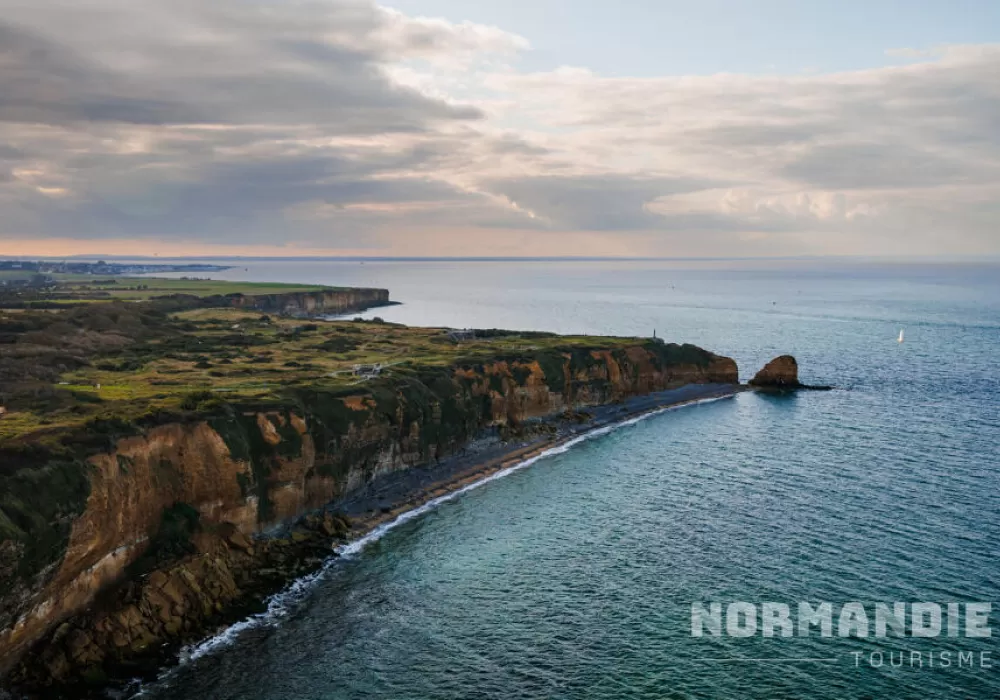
[
  {"x": 326, "y": 302},
  {"x": 75, "y": 524}
]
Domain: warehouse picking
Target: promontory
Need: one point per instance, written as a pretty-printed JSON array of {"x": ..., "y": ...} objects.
[{"x": 168, "y": 458}]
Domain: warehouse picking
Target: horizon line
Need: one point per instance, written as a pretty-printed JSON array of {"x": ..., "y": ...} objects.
[{"x": 86, "y": 257}]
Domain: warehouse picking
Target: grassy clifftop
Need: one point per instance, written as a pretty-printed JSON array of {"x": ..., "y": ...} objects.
[
  {"x": 115, "y": 413},
  {"x": 75, "y": 380},
  {"x": 84, "y": 367},
  {"x": 33, "y": 290}
]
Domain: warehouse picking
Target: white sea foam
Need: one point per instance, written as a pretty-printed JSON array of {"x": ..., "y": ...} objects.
[
  {"x": 355, "y": 547},
  {"x": 280, "y": 604},
  {"x": 278, "y": 607}
]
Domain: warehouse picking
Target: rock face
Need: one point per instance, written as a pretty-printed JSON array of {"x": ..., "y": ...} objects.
[
  {"x": 172, "y": 603},
  {"x": 241, "y": 470},
  {"x": 780, "y": 373},
  {"x": 326, "y": 302}
]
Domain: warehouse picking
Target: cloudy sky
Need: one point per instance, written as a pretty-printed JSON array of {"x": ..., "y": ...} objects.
[{"x": 521, "y": 127}]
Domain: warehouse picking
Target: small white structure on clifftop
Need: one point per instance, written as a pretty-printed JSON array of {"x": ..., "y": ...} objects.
[
  {"x": 367, "y": 371},
  {"x": 458, "y": 336}
]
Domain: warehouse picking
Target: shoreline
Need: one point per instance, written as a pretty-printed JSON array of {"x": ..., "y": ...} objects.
[
  {"x": 478, "y": 470},
  {"x": 375, "y": 522},
  {"x": 385, "y": 503}
]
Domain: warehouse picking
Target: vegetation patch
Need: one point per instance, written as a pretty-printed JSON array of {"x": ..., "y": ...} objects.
[
  {"x": 553, "y": 364},
  {"x": 670, "y": 354},
  {"x": 172, "y": 540},
  {"x": 37, "y": 507},
  {"x": 521, "y": 373},
  {"x": 290, "y": 446}
]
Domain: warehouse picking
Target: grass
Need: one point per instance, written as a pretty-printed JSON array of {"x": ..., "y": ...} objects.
[
  {"x": 77, "y": 289},
  {"x": 242, "y": 357},
  {"x": 16, "y": 274},
  {"x": 142, "y": 288}
]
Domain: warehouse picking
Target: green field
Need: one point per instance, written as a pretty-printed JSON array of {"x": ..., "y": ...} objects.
[
  {"x": 86, "y": 289},
  {"x": 141, "y": 288},
  {"x": 121, "y": 361}
]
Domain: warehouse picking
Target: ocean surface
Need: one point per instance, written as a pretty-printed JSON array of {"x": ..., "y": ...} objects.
[{"x": 574, "y": 577}]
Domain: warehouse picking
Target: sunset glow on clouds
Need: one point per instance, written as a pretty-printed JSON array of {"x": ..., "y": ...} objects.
[{"x": 185, "y": 126}]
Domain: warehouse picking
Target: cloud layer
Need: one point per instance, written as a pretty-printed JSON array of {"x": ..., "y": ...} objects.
[{"x": 341, "y": 125}]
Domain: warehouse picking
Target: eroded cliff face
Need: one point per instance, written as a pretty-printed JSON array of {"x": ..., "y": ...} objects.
[
  {"x": 129, "y": 490},
  {"x": 338, "y": 301},
  {"x": 251, "y": 468}
]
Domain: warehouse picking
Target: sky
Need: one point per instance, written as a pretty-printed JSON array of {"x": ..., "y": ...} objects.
[{"x": 518, "y": 128}]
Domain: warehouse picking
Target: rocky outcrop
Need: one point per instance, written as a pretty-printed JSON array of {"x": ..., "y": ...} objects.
[
  {"x": 129, "y": 489},
  {"x": 243, "y": 470},
  {"x": 782, "y": 374},
  {"x": 173, "y": 603},
  {"x": 325, "y": 302}
]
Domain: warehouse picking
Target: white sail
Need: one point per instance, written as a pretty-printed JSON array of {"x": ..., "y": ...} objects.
[{"x": 900, "y": 335}]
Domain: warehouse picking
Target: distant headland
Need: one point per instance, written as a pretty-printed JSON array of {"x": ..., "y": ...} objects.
[
  {"x": 172, "y": 451},
  {"x": 24, "y": 269}
]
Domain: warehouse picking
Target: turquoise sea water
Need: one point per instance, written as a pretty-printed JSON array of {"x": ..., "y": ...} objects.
[{"x": 574, "y": 578}]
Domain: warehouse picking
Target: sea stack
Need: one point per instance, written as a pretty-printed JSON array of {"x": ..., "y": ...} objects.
[{"x": 780, "y": 373}]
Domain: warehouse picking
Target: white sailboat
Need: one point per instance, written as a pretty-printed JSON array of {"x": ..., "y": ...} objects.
[{"x": 900, "y": 339}]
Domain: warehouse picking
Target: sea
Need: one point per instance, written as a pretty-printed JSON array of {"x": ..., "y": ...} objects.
[{"x": 576, "y": 576}]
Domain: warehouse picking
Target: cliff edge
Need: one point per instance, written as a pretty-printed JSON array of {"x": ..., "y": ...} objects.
[
  {"x": 305, "y": 304},
  {"x": 166, "y": 502}
]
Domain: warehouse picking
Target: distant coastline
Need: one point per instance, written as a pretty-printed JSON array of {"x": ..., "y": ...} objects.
[
  {"x": 824, "y": 259},
  {"x": 67, "y": 266}
]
